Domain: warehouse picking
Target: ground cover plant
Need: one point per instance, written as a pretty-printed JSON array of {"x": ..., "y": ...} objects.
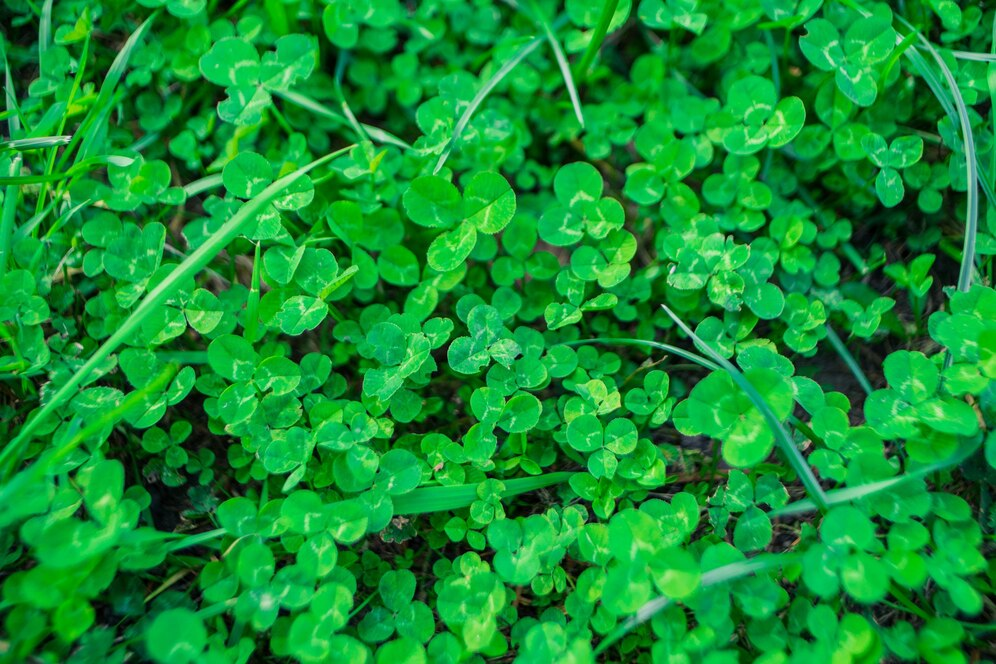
[{"x": 448, "y": 331}]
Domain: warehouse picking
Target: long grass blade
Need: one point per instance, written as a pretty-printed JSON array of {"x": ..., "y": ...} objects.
[
  {"x": 597, "y": 38},
  {"x": 203, "y": 184},
  {"x": 724, "y": 574},
  {"x": 30, "y": 477},
  {"x": 11, "y": 454},
  {"x": 8, "y": 213},
  {"x": 852, "y": 493},
  {"x": 561, "y": 58},
  {"x": 852, "y": 364},
  {"x": 340, "y": 72},
  {"x": 971, "y": 165},
  {"x": 441, "y": 498},
  {"x": 376, "y": 134},
  {"x": 38, "y": 143},
  {"x": 92, "y": 128},
  {"x": 785, "y": 442},
  {"x": 978, "y": 57},
  {"x": 79, "y": 169},
  {"x": 45, "y": 29},
  {"x": 482, "y": 94},
  {"x": 646, "y": 343}
]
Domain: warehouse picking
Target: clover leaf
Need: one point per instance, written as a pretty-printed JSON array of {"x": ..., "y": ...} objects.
[
  {"x": 853, "y": 58},
  {"x": 249, "y": 81}
]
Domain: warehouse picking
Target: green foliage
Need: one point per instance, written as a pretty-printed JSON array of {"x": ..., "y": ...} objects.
[{"x": 324, "y": 331}]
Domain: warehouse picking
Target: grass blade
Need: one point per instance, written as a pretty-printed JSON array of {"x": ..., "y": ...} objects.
[
  {"x": 785, "y": 442},
  {"x": 8, "y": 213},
  {"x": 204, "y": 184},
  {"x": 724, "y": 574},
  {"x": 340, "y": 70},
  {"x": 441, "y": 498},
  {"x": 667, "y": 348},
  {"x": 38, "y": 143},
  {"x": 79, "y": 169},
  {"x": 971, "y": 166},
  {"x": 852, "y": 364},
  {"x": 92, "y": 127},
  {"x": 45, "y": 29},
  {"x": 482, "y": 94},
  {"x": 850, "y": 494},
  {"x": 196, "y": 261},
  {"x": 978, "y": 57},
  {"x": 375, "y": 133},
  {"x": 597, "y": 37},
  {"x": 30, "y": 477},
  {"x": 562, "y": 64}
]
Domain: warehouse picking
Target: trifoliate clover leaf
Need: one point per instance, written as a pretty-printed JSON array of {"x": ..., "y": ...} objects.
[
  {"x": 485, "y": 342},
  {"x": 234, "y": 63},
  {"x": 581, "y": 208},
  {"x": 756, "y": 118},
  {"x": 868, "y": 41}
]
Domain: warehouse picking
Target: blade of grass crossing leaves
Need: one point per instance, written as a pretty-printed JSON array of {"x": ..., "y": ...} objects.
[
  {"x": 597, "y": 37},
  {"x": 971, "y": 167},
  {"x": 79, "y": 169},
  {"x": 252, "y": 302},
  {"x": 307, "y": 103},
  {"x": 8, "y": 213},
  {"x": 852, "y": 364},
  {"x": 482, "y": 94},
  {"x": 947, "y": 102},
  {"x": 39, "y": 143},
  {"x": 204, "y": 184},
  {"x": 991, "y": 83},
  {"x": 850, "y": 494},
  {"x": 441, "y": 498},
  {"x": 667, "y": 348},
  {"x": 197, "y": 260},
  {"x": 340, "y": 70},
  {"x": 956, "y": 109},
  {"x": 45, "y": 28},
  {"x": 31, "y": 475},
  {"x": 92, "y": 128},
  {"x": 785, "y": 442},
  {"x": 730, "y": 572},
  {"x": 562, "y": 64}
]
